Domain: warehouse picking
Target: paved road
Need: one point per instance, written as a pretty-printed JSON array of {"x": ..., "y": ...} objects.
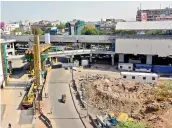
[
  {"x": 11, "y": 113},
  {"x": 64, "y": 115}
]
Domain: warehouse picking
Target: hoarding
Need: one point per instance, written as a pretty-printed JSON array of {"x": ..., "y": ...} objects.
[{"x": 144, "y": 16}]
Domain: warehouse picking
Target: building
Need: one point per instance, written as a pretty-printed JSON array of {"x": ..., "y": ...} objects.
[
  {"x": 109, "y": 24},
  {"x": 7, "y": 47},
  {"x": 154, "y": 14},
  {"x": 75, "y": 27},
  {"x": 42, "y": 24},
  {"x": 11, "y": 27}
]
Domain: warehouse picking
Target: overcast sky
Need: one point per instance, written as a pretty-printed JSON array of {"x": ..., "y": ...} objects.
[{"x": 67, "y": 11}]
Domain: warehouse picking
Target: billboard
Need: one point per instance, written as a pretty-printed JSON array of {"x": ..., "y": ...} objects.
[{"x": 144, "y": 16}]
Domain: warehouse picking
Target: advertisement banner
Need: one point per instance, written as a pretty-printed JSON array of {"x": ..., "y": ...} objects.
[{"x": 144, "y": 16}]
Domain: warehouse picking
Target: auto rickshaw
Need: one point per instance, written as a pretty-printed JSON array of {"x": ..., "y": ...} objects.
[{"x": 63, "y": 98}]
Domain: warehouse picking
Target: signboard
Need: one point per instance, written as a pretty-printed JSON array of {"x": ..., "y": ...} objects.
[
  {"x": 144, "y": 16},
  {"x": 65, "y": 65}
]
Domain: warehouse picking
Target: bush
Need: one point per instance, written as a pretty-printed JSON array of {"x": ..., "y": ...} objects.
[
  {"x": 164, "y": 91},
  {"x": 132, "y": 124}
]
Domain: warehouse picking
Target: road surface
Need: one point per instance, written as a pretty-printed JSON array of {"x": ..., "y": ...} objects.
[{"x": 64, "y": 114}]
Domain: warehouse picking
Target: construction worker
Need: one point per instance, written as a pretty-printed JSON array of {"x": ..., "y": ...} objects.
[{"x": 20, "y": 93}]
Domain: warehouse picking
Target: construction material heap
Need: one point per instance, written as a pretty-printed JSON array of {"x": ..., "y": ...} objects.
[{"x": 143, "y": 102}]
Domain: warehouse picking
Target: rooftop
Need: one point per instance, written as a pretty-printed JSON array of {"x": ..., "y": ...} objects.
[{"x": 145, "y": 25}]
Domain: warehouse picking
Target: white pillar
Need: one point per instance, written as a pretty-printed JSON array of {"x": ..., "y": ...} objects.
[
  {"x": 71, "y": 59},
  {"x": 47, "y": 38},
  {"x": 121, "y": 58},
  {"x": 13, "y": 48},
  {"x": 112, "y": 57},
  {"x": 90, "y": 58},
  {"x": 148, "y": 59}
]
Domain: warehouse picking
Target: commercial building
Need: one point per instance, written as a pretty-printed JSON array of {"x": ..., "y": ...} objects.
[
  {"x": 154, "y": 14},
  {"x": 5, "y": 50},
  {"x": 11, "y": 27},
  {"x": 75, "y": 27},
  {"x": 109, "y": 24}
]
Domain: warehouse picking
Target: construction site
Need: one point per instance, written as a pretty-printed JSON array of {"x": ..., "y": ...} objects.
[{"x": 150, "y": 104}]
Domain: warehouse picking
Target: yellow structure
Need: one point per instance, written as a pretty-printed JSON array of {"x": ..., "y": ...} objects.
[
  {"x": 42, "y": 48},
  {"x": 37, "y": 60}
]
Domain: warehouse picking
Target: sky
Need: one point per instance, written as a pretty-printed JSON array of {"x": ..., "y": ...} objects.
[{"x": 67, "y": 11}]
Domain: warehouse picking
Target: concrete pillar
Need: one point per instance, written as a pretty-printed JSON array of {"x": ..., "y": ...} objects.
[
  {"x": 72, "y": 30},
  {"x": 10, "y": 66},
  {"x": 71, "y": 59},
  {"x": 13, "y": 48},
  {"x": 112, "y": 56},
  {"x": 121, "y": 58},
  {"x": 90, "y": 58},
  {"x": 50, "y": 59},
  {"x": 148, "y": 59},
  {"x": 47, "y": 38},
  {"x": 56, "y": 60}
]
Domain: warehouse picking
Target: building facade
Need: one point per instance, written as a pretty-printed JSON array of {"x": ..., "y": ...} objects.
[
  {"x": 154, "y": 14},
  {"x": 75, "y": 27}
]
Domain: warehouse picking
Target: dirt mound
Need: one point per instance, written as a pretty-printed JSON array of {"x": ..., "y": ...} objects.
[{"x": 139, "y": 100}]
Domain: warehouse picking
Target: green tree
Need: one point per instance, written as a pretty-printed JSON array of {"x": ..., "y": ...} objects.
[
  {"x": 50, "y": 25},
  {"x": 26, "y": 32},
  {"x": 123, "y": 31},
  {"x": 157, "y": 32},
  {"x": 61, "y": 26},
  {"x": 15, "y": 30},
  {"x": 37, "y": 31},
  {"x": 89, "y": 30}
]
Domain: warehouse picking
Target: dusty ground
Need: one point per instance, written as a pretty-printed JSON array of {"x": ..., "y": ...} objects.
[{"x": 143, "y": 102}]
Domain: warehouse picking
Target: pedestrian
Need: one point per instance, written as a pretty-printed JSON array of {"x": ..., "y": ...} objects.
[
  {"x": 20, "y": 93},
  {"x": 51, "y": 111},
  {"x": 45, "y": 94},
  {"x": 9, "y": 125}
]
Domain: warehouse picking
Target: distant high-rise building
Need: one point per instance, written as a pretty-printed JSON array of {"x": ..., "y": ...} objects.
[{"x": 154, "y": 14}]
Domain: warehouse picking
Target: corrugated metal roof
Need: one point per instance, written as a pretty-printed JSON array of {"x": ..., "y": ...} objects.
[{"x": 147, "y": 25}]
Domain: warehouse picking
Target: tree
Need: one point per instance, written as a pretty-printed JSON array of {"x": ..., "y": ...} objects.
[
  {"x": 154, "y": 32},
  {"x": 49, "y": 25},
  {"x": 37, "y": 31},
  {"x": 89, "y": 30},
  {"x": 26, "y": 32},
  {"x": 123, "y": 31},
  {"x": 61, "y": 26},
  {"x": 15, "y": 30}
]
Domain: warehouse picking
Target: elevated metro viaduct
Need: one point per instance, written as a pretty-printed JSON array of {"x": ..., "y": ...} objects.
[{"x": 152, "y": 49}]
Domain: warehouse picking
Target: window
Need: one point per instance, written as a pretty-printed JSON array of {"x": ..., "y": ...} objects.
[
  {"x": 133, "y": 77},
  {"x": 153, "y": 78},
  {"x": 144, "y": 78},
  {"x": 124, "y": 76},
  {"x": 120, "y": 66}
]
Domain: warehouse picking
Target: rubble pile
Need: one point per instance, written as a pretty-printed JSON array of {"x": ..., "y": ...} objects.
[{"x": 109, "y": 94}]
